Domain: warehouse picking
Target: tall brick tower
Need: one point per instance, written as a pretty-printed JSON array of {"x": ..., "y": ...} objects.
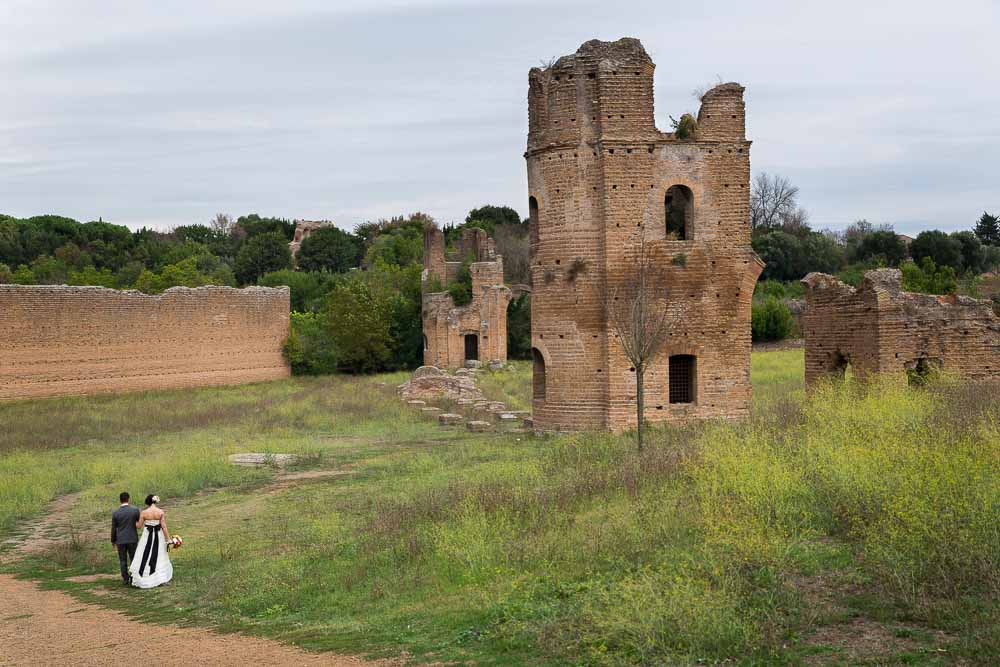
[{"x": 602, "y": 181}]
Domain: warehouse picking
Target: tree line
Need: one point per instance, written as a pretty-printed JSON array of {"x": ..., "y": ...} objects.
[
  {"x": 933, "y": 261},
  {"x": 355, "y": 296}
]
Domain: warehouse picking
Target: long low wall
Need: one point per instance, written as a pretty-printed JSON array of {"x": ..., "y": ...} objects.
[{"x": 57, "y": 340}]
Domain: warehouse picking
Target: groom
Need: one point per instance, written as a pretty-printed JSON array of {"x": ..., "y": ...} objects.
[{"x": 123, "y": 534}]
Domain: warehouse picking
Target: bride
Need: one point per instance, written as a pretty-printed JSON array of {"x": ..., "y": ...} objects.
[{"x": 151, "y": 567}]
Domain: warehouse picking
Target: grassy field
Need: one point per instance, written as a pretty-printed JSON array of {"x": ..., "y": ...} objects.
[{"x": 850, "y": 527}]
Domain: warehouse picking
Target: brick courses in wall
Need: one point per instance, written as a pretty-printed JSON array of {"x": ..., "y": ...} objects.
[
  {"x": 878, "y": 329},
  {"x": 59, "y": 340},
  {"x": 602, "y": 180},
  {"x": 477, "y": 331}
]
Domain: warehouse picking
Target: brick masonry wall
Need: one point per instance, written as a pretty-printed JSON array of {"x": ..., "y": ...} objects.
[
  {"x": 446, "y": 325},
  {"x": 59, "y": 340},
  {"x": 599, "y": 171},
  {"x": 880, "y": 329}
]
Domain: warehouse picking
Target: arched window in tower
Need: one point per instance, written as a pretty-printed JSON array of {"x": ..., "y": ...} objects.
[
  {"x": 532, "y": 220},
  {"x": 678, "y": 206},
  {"x": 537, "y": 374}
]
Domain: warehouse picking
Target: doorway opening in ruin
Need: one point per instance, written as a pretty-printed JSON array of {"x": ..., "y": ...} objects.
[
  {"x": 678, "y": 206},
  {"x": 839, "y": 366},
  {"x": 682, "y": 378},
  {"x": 537, "y": 374},
  {"x": 532, "y": 220},
  {"x": 471, "y": 347},
  {"x": 921, "y": 371}
]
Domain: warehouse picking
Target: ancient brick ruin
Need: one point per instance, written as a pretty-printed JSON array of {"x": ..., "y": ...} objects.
[
  {"x": 303, "y": 228},
  {"x": 880, "y": 329},
  {"x": 477, "y": 331},
  {"x": 600, "y": 174},
  {"x": 79, "y": 340}
]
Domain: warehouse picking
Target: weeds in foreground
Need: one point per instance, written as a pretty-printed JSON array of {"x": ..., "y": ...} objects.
[{"x": 577, "y": 549}]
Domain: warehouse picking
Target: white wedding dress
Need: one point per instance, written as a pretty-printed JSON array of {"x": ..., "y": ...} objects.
[{"x": 151, "y": 565}]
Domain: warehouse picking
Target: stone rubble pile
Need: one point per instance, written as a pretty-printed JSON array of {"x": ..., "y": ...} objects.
[{"x": 430, "y": 384}]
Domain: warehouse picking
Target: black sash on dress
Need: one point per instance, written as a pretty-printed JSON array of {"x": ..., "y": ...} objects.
[{"x": 153, "y": 542}]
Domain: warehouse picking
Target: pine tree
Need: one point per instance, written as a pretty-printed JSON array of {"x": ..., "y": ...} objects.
[{"x": 988, "y": 229}]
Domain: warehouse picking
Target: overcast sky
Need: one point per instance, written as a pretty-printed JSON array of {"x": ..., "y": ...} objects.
[{"x": 165, "y": 113}]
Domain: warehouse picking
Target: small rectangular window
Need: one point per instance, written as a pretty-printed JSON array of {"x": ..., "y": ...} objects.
[{"x": 682, "y": 378}]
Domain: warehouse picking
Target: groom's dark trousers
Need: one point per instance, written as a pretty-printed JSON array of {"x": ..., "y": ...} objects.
[{"x": 124, "y": 536}]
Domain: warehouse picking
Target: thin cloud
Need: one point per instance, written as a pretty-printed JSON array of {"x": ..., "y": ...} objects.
[{"x": 164, "y": 114}]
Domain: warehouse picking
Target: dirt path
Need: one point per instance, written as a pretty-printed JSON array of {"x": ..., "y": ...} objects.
[
  {"x": 51, "y": 628},
  {"x": 45, "y": 533},
  {"x": 39, "y": 627},
  {"x": 42, "y": 534}
]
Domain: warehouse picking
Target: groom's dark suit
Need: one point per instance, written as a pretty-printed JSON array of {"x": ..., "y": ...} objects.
[{"x": 124, "y": 536}]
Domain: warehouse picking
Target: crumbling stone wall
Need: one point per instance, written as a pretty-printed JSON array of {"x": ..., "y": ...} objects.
[
  {"x": 79, "y": 340},
  {"x": 880, "y": 329},
  {"x": 600, "y": 174},
  {"x": 476, "y": 331}
]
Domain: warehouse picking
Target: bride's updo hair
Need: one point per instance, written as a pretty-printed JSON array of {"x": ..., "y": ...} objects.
[{"x": 150, "y": 499}]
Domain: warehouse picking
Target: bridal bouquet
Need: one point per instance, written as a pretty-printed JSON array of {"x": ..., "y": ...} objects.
[{"x": 175, "y": 542}]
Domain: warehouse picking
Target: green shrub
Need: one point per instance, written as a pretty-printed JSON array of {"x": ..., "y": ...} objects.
[
  {"x": 853, "y": 274},
  {"x": 519, "y": 327},
  {"x": 260, "y": 255},
  {"x": 88, "y": 275},
  {"x": 434, "y": 285},
  {"x": 24, "y": 276},
  {"x": 779, "y": 290},
  {"x": 359, "y": 314},
  {"x": 460, "y": 289},
  {"x": 308, "y": 288},
  {"x": 686, "y": 127},
  {"x": 929, "y": 278},
  {"x": 309, "y": 347},
  {"x": 771, "y": 320},
  {"x": 329, "y": 249}
]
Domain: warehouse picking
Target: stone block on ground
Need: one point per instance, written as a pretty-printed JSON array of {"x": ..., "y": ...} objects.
[
  {"x": 430, "y": 410},
  {"x": 415, "y": 403},
  {"x": 449, "y": 418},
  {"x": 507, "y": 418},
  {"x": 477, "y": 426},
  {"x": 528, "y": 423},
  {"x": 255, "y": 459}
]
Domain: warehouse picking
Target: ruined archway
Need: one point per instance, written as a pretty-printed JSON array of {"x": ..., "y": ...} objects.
[{"x": 537, "y": 374}]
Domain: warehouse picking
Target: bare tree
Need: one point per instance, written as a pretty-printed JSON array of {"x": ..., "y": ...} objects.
[
  {"x": 512, "y": 243},
  {"x": 222, "y": 223},
  {"x": 796, "y": 222},
  {"x": 639, "y": 316},
  {"x": 772, "y": 200}
]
